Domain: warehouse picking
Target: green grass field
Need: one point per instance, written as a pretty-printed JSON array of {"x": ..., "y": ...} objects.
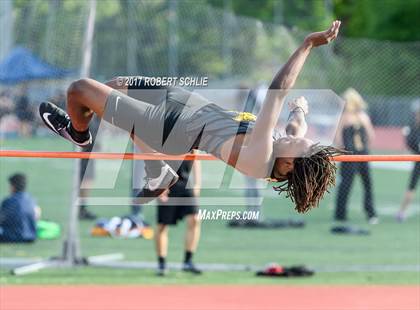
[{"x": 390, "y": 244}]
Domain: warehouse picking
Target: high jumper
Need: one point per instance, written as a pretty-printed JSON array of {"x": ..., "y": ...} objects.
[{"x": 173, "y": 121}]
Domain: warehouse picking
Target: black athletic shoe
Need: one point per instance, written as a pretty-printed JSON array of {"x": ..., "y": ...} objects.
[
  {"x": 58, "y": 121},
  {"x": 190, "y": 267},
  {"x": 156, "y": 186},
  {"x": 86, "y": 215},
  {"x": 161, "y": 272}
]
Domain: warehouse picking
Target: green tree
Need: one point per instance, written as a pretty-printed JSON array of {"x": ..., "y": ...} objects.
[{"x": 380, "y": 19}]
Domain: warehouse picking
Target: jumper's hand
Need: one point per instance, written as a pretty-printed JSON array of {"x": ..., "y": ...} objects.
[
  {"x": 299, "y": 104},
  {"x": 324, "y": 37}
]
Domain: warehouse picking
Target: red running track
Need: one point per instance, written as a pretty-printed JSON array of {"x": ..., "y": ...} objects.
[{"x": 210, "y": 297}]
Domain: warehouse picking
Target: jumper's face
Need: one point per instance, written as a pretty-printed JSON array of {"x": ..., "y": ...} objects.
[
  {"x": 285, "y": 150},
  {"x": 282, "y": 167},
  {"x": 290, "y": 146}
]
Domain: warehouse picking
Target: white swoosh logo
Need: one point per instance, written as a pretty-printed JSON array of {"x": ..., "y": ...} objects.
[
  {"x": 45, "y": 117},
  {"x": 116, "y": 103},
  {"x": 154, "y": 183}
]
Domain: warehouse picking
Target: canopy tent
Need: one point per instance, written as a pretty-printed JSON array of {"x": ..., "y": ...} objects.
[{"x": 22, "y": 65}]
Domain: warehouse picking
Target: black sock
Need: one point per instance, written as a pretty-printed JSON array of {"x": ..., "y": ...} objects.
[
  {"x": 153, "y": 167},
  {"x": 79, "y": 136},
  {"x": 188, "y": 257},
  {"x": 162, "y": 262}
]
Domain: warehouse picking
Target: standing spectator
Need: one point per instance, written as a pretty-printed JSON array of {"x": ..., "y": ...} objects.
[
  {"x": 174, "y": 204},
  {"x": 18, "y": 213},
  {"x": 412, "y": 138},
  {"x": 354, "y": 133}
]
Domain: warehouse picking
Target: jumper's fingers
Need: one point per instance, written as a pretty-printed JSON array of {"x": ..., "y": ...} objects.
[
  {"x": 337, "y": 25},
  {"x": 335, "y": 34},
  {"x": 330, "y": 35},
  {"x": 333, "y": 27},
  {"x": 330, "y": 29},
  {"x": 337, "y": 28}
]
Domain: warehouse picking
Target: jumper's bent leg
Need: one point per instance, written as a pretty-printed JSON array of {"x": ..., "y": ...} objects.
[
  {"x": 85, "y": 97},
  {"x": 155, "y": 169},
  {"x": 120, "y": 85},
  {"x": 152, "y": 167}
]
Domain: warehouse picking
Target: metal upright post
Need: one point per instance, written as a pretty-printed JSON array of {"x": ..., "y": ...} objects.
[
  {"x": 72, "y": 246},
  {"x": 173, "y": 38}
]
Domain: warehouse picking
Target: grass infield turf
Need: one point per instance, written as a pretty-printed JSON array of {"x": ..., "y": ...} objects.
[{"x": 390, "y": 243}]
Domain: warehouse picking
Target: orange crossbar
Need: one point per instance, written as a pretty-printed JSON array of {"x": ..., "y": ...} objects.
[
  {"x": 151, "y": 156},
  {"x": 97, "y": 155}
]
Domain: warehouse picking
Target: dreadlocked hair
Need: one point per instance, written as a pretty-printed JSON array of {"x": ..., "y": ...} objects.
[{"x": 312, "y": 176}]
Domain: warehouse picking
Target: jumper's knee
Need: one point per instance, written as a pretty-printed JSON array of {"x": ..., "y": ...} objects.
[{"x": 77, "y": 88}]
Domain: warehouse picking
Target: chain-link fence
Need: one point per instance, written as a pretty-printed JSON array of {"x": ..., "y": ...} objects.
[
  {"x": 160, "y": 38},
  {"x": 190, "y": 38}
]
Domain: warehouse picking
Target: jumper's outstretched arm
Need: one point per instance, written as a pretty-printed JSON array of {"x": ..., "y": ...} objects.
[{"x": 283, "y": 81}]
